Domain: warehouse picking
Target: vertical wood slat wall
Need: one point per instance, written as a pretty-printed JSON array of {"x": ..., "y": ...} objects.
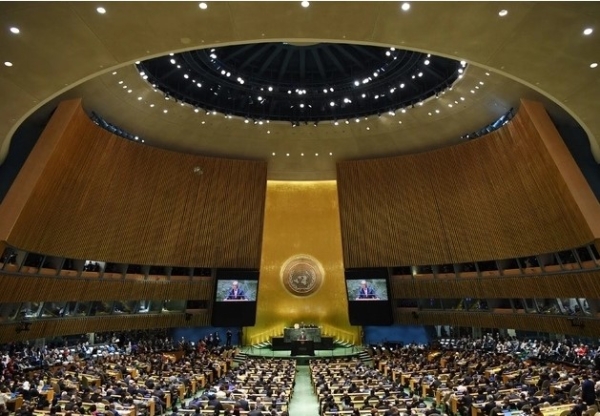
[
  {"x": 52, "y": 289},
  {"x": 500, "y": 196},
  {"x": 102, "y": 197},
  {"x": 541, "y": 323},
  {"x": 71, "y": 326},
  {"x": 571, "y": 285}
]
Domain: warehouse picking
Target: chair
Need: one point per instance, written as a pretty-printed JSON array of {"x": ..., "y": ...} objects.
[{"x": 575, "y": 390}]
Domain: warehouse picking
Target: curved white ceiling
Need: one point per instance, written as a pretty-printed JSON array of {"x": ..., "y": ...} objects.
[{"x": 68, "y": 49}]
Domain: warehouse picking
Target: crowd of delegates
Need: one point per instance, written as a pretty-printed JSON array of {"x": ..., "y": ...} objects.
[
  {"x": 67, "y": 370},
  {"x": 458, "y": 370},
  {"x": 566, "y": 351}
]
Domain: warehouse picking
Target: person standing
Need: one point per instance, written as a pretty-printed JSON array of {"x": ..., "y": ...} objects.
[{"x": 228, "y": 337}]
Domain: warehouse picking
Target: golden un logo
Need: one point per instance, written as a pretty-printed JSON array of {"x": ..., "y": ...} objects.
[{"x": 302, "y": 275}]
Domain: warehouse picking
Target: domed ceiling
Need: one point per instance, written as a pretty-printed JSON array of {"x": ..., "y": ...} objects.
[
  {"x": 545, "y": 51},
  {"x": 300, "y": 83}
]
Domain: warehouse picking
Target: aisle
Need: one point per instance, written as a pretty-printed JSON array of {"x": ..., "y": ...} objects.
[{"x": 304, "y": 402}]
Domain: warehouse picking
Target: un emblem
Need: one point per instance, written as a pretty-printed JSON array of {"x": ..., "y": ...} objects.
[{"x": 302, "y": 275}]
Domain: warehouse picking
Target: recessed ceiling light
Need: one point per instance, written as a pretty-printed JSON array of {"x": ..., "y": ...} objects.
[
  {"x": 450, "y": 105},
  {"x": 115, "y": 73},
  {"x": 151, "y": 105},
  {"x": 428, "y": 114},
  {"x": 165, "y": 111},
  {"x": 301, "y": 154},
  {"x": 287, "y": 154},
  {"x": 139, "y": 98},
  {"x": 472, "y": 91},
  {"x": 502, "y": 12},
  {"x": 203, "y": 122},
  {"x": 462, "y": 98},
  {"x": 594, "y": 65},
  {"x": 101, "y": 10},
  {"x": 305, "y": 3},
  {"x": 120, "y": 82},
  {"x": 588, "y": 31},
  {"x": 7, "y": 63},
  {"x": 268, "y": 131},
  {"x": 330, "y": 154},
  {"x": 405, "y": 6},
  {"x": 203, "y": 6},
  {"x": 480, "y": 82},
  {"x": 129, "y": 91},
  {"x": 437, "y": 111},
  {"x": 273, "y": 153},
  {"x": 15, "y": 30},
  {"x": 316, "y": 154},
  {"x": 368, "y": 128}
]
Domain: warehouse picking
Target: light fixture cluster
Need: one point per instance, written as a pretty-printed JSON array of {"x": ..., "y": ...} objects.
[
  {"x": 301, "y": 154},
  {"x": 98, "y": 120},
  {"x": 227, "y": 89},
  {"x": 495, "y": 125},
  {"x": 15, "y": 31}
]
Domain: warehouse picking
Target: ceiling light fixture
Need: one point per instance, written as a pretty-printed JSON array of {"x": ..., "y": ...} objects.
[
  {"x": 15, "y": 30},
  {"x": 101, "y": 10},
  {"x": 502, "y": 12},
  {"x": 7, "y": 63},
  {"x": 587, "y": 31},
  {"x": 305, "y": 4},
  {"x": 203, "y": 6},
  {"x": 594, "y": 65},
  {"x": 405, "y": 6}
]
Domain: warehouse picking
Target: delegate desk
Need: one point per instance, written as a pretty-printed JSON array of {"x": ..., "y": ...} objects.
[{"x": 303, "y": 348}]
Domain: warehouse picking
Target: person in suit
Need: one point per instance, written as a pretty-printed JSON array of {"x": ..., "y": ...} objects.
[
  {"x": 236, "y": 293},
  {"x": 365, "y": 291},
  {"x": 243, "y": 403},
  {"x": 588, "y": 391}
]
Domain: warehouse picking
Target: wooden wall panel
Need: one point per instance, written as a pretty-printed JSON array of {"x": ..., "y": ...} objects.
[
  {"x": 543, "y": 323},
  {"x": 501, "y": 196},
  {"x": 53, "y": 289},
  {"x": 71, "y": 326},
  {"x": 572, "y": 285},
  {"x": 105, "y": 198}
]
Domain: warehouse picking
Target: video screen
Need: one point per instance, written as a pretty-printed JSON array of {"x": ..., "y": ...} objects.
[
  {"x": 368, "y": 296},
  {"x": 236, "y": 290},
  {"x": 235, "y": 297},
  {"x": 367, "y": 289}
]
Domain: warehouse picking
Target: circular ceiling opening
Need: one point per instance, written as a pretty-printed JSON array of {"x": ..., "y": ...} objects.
[{"x": 300, "y": 83}]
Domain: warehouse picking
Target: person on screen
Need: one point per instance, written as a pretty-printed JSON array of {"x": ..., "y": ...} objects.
[
  {"x": 302, "y": 336},
  {"x": 366, "y": 292},
  {"x": 235, "y": 293}
]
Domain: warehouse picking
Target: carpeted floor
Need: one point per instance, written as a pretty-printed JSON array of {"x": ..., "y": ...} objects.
[{"x": 304, "y": 402}]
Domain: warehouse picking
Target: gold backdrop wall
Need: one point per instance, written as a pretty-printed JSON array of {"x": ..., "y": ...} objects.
[{"x": 301, "y": 218}]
